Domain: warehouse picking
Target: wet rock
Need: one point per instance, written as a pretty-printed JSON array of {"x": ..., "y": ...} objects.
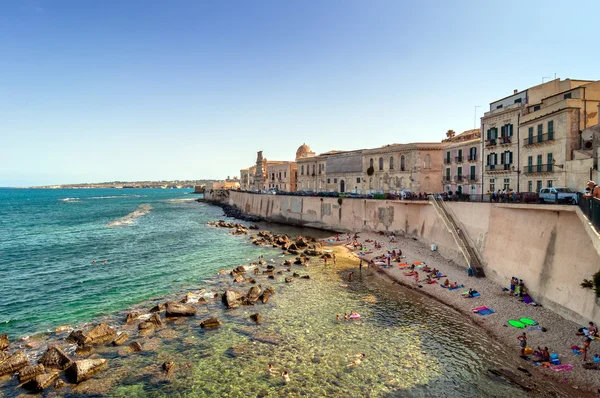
[
  {"x": 3, "y": 342},
  {"x": 13, "y": 363},
  {"x": 202, "y": 300},
  {"x": 3, "y": 356},
  {"x": 59, "y": 384},
  {"x": 268, "y": 292},
  {"x": 240, "y": 269},
  {"x": 157, "y": 308},
  {"x": 146, "y": 328},
  {"x": 210, "y": 323},
  {"x": 247, "y": 301},
  {"x": 132, "y": 316},
  {"x": 256, "y": 317},
  {"x": 29, "y": 372},
  {"x": 271, "y": 267},
  {"x": 43, "y": 381},
  {"x": 84, "y": 369},
  {"x": 288, "y": 279},
  {"x": 305, "y": 277},
  {"x": 155, "y": 319},
  {"x": 296, "y": 275},
  {"x": 122, "y": 338},
  {"x": 253, "y": 227},
  {"x": 251, "y": 280},
  {"x": 168, "y": 366},
  {"x": 83, "y": 351},
  {"x": 55, "y": 358},
  {"x": 77, "y": 337},
  {"x": 238, "y": 279},
  {"x": 101, "y": 333},
  {"x": 279, "y": 272},
  {"x": 254, "y": 293},
  {"x": 293, "y": 251},
  {"x": 231, "y": 298},
  {"x": 287, "y": 262},
  {"x": 216, "y": 296},
  {"x": 257, "y": 271},
  {"x": 271, "y": 277},
  {"x": 135, "y": 346},
  {"x": 178, "y": 309},
  {"x": 301, "y": 242}
]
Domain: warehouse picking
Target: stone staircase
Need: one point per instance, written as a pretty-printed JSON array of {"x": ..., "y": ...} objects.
[{"x": 470, "y": 255}]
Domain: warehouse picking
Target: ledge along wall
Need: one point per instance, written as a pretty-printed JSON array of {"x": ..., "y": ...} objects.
[{"x": 546, "y": 246}]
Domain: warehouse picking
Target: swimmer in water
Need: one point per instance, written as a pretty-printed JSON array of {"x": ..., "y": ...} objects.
[
  {"x": 93, "y": 261},
  {"x": 359, "y": 356},
  {"x": 105, "y": 261},
  {"x": 337, "y": 317},
  {"x": 356, "y": 362},
  {"x": 345, "y": 316},
  {"x": 285, "y": 377}
]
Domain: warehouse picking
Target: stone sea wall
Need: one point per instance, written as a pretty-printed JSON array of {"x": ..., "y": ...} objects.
[{"x": 546, "y": 246}]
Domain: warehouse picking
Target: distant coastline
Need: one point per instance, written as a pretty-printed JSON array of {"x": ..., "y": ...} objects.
[{"x": 175, "y": 184}]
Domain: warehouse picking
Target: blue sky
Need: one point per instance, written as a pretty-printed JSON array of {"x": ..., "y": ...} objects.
[{"x": 134, "y": 90}]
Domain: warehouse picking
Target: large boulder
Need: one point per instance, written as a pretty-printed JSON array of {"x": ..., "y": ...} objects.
[
  {"x": 13, "y": 363},
  {"x": 30, "y": 371},
  {"x": 231, "y": 298},
  {"x": 77, "y": 337},
  {"x": 301, "y": 242},
  {"x": 132, "y": 316},
  {"x": 240, "y": 269},
  {"x": 155, "y": 320},
  {"x": 3, "y": 342},
  {"x": 41, "y": 382},
  {"x": 177, "y": 309},
  {"x": 55, "y": 358},
  {"x": 146, "y": 327},
  {"x": 168, "y": 366},
  {"x": 121, "y": 339},
  {"x": 101, "y": 333},
  {"x": 268, "y": 292},
  {"x": 254, "y": 293},
  {"x": 84, "y": 369},
  {"x": 210, "y": 323}
]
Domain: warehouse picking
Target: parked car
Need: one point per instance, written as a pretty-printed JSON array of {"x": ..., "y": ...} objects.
[
  {"x": 529, "y": 197},
  {"x": 558, "y": 195}
]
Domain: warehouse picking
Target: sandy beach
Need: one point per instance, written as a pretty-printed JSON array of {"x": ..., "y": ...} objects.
[{"x": 560, "y": 334}]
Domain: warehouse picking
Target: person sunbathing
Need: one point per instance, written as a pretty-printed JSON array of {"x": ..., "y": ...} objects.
[
  {"x": 454, "y": 285},
  {"x": 426, "y": 269},
  {"x": 471, "y": 293},
  {"x": 446, "y": 283}
]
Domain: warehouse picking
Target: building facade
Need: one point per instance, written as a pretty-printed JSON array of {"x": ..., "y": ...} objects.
[
  {"x": 281, "y": 176},
  {"x": 461, "y": 172}
]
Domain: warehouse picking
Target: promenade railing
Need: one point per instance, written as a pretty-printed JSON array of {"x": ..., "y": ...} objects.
[{"x": 591, "y": 208}]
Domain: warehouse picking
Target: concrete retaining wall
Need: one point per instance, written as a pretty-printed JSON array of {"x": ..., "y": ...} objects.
[{"x": 546, "y": 246}]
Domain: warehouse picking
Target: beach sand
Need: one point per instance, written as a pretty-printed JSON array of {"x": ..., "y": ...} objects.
[{"x": 560, "y": 334}]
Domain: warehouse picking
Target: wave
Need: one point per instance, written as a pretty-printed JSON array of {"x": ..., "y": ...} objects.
[
  {"x": 130, "y": 218},
  {"x": 116, "y": 197},
  {"x": 69, "y": 200}
]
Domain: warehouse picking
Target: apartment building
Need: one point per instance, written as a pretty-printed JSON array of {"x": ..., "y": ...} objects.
[{"x": 461, "y": 171}]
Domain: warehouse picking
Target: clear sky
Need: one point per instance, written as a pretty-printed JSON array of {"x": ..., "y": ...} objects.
[{"x": 144, "y": 90}]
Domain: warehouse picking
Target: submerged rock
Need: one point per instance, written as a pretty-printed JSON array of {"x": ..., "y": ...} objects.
[
  {"x": 30, "y": 371},
  {"x": 84, "y": 369},
  {"x": 3, "y": 342},
  {"x": 55, "y": 358},
  {"x": 101, "y": 333},
  {"x": 132, "y": 316},
  {"x": 135, "y": 346},
  {"x": 122, "y": 338},
  {"x": 168, "y": 366},
  {"x": 43, "y": 381},
  {"x": 288, "y": 279},
  {"x": 155, "y": 320},
  {"x": 256, "y": 317},
  {"x": 202, "y": 300},
  {"x": 210, "y": 323},
  {"x": 254, "y": 293},
  {"x": 231, "y": 298},
  {"x": 13, "y": 363},
  {"x": 177, "y": 309}
]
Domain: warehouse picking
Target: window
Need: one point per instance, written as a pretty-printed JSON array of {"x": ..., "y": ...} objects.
[
  {"x": 459, "y": 172},
  {"x": 507, "y": 184},
  {"x": 536, "y": 108},
  {"x": 280, "y": 175},
  {"x": 540, "y": 130},
  {"x": 272, "y": 176},
  {"x": 499, "y": 106},
  {"x": 448, "y": 174},
  {"x": 380, "y": 163},
  {"x": 549, "y": 183},
  {"x": 313, "y": 170},
  {"x": 529, "y": 164},
  {"x": 371, "y": 163},
  {"x": 568, "y": 95},
  {"x": 403, "y": 165},
  {"x": 539, "y": 185},
  {"x": 472, "y": 173},
  {"x": 335, "y": 180},
  {"x": 530, "y": 136},
  {"x": 550, "y": 129},
  {"x": 302, "y": 170},
  {"x": 391, "y": 162},
  {"x": 459, "y": 155},
  {"x": 550, "y": 160},
  {"x": 285, "y": 174},
  {"x": 530, "y": 185},
  {"x": 358, "y": 180},
  {"x": 518, "y": 100},
  {"x": 329, "y": 181},
  {"x": 427, "y": 161},
  {"x": 448, "y": 157}
]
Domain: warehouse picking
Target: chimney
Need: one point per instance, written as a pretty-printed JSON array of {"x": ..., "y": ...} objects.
[{"x": 515, "y": 91}]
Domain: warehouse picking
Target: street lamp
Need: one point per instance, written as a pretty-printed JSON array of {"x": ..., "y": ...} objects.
[{"x": 518, "y": 170}]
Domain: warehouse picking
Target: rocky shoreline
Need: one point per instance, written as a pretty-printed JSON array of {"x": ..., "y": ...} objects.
[{"x": 79, "y": 360}]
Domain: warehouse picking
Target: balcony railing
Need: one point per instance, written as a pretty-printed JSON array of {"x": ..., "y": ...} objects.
[
  {"x": 538, "y": 139},
  {"x": 460, "y": 178},
  {"x": 471, "y": 178},
  {"x": 491, "y": 142},
  {"x": 538, "y": 168},
  {"x": 472, "y": 158},
  {"x": 459, "y": 159},
  {"x": 446, "y": 178},
  {"x": 505, "y": 140},
  {"x": 447, "y": 161},
  {"x": 498, "y": 167},
  {"x": 591, "y": 209}
]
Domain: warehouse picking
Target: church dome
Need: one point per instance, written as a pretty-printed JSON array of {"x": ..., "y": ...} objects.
[{"x": 303, "y": 151}]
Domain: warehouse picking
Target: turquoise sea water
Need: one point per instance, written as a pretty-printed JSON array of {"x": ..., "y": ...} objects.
[{"x": 49, "y": 238}]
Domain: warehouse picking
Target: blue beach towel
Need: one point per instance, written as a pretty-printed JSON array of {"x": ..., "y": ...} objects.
[{"x": 485, "y": 312}]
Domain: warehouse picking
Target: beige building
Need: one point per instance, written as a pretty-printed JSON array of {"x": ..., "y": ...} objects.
[
  {"x": 281, "y": 176},
  {"x": 552, "y": 153},
  {"x": 414, "y": 167},
  {"x": 229, "y": 183},
  {"x": 310, "y": 170},
  {"x": 461, "y": 172},
  {"x": 507, "y": 127}
]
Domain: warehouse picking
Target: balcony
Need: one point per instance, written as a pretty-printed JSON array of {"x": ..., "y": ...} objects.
[
  {"x": 472, "y": 158},
  {"x": 538, "y": 168},
  {"x": 446, "y": 178},
  {"x": 447, "y": 161},
  {"x": 498, "y": 168},
  {"x": 538, "y": 139},
  {"x": 489, "y": 143},
  {"x": 471, "y": 178},
  {"x": 505, "y": 140},
  {"x": 460, "y": 178},
  {"x": 459, "y": 159}
]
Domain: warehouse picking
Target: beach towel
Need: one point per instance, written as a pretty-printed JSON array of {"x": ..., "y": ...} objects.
[
  {"x": 562, "y": 368},
  {"x": 403, "y": 265},
  {"x": 379, "y": 263},
  {"x": 454, "y": 288},
  {"x": 485, "y": 312},
  {"x": 476, "y": 309}
]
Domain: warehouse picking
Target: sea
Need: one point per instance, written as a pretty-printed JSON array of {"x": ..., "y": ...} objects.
[{"x": 70, "y": 258}]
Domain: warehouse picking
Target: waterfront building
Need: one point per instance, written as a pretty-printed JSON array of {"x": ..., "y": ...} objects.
[
  {"x": 512, "y": 119},
  {"x": 344, "y": 171},
  {"x": 229, "y": 183},
  {"x": 414, "y": 167},
  {"x": 310, "y": 169},
  {"x": 281, "y": 175},
  {"x": 461, "y": 171}
]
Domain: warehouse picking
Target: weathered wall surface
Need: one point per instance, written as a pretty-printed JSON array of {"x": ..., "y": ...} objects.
[{"x": 548, "y": 247}]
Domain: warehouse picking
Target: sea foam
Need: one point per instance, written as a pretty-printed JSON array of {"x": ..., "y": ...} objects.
[{"x": 130, "y": 218}]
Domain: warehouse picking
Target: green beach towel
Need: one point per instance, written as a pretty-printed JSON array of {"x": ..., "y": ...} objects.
[
  {"x": 528, "y": 321},
  {"x": 516, "y": 324}
]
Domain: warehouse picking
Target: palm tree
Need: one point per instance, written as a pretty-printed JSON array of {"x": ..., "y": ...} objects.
[{"x": 450, "y": 133}]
